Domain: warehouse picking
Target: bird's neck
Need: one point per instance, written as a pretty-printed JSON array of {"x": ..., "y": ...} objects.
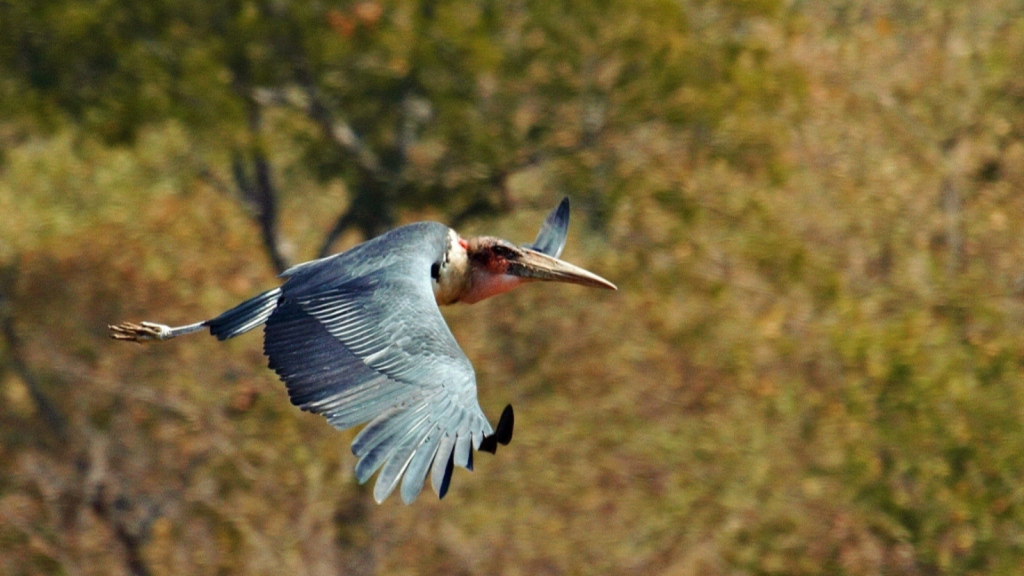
[
  {"x": 454, "y": 275},
  {"x": 483, "y": 284}
]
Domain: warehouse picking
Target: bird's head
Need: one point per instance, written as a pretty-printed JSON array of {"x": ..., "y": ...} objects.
[{"x": 496, "y": 266}]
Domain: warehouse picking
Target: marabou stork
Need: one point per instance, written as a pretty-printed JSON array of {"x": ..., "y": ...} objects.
[{"x": 358, "y": 337}]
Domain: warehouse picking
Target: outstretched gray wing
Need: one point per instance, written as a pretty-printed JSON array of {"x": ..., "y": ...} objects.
[
  {"x": 551, "y": 238},
  {"x": 359, "y": 338}
]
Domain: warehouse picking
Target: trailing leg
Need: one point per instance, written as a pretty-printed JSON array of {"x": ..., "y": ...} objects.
[{"x": 238, "y": 320}]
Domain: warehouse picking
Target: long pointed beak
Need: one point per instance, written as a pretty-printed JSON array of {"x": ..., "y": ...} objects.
[{"x": 537, "y": 266}]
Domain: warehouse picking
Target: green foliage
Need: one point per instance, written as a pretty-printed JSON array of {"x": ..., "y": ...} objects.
[{"x": 446, "y": 99}]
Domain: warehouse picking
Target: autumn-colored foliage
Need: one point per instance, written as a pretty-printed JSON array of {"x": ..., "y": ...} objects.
[{"x": 812, "y": 210}]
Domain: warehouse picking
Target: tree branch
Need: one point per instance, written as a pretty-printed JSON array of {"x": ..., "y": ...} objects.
[
  {"x": 339, "y": 131},
  {"x": 343, "y": 223},
  {"x": 499, "y": 181},
  {"x": 266, "y": 199},
  {"x": 258, "y": 192},
  {"x": 53, "y": 418},
  {"x": 115, "y": 513},
  {"x": 131, "y": 542},
  {"x": 374, "y": 180},
  {"x": 260, "y": 197}
]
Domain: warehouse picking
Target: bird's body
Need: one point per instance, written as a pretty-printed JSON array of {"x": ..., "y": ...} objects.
[{"x": 358, "y": 338}]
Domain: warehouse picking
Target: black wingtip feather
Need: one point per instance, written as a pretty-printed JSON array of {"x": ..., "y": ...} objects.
[
  {"x": 502, "y": 434},
  {"x": 443, "y": 489},
  {"x": 489, "y": 444},
  {"x": 507, "y": 422}
]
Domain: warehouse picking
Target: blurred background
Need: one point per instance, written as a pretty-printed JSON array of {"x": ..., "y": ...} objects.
[{"x": 813, "y": 211}]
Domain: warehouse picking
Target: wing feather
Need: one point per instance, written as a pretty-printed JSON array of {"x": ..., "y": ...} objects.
[
  {"x": 398, "y": 463},
  {"x": 463, "y": 449},
  {"x": 383, "y": 428},
  {"x": 444, "y": 462},
  {"x": 358, "y": 338},
  {"x": 416, "y": 473},
  {"x": 553, "y": 232},
  {"x": 391, "y": 439}
]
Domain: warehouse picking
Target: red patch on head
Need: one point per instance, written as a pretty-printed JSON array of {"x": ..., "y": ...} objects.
[{"x": 463, "y": 243}]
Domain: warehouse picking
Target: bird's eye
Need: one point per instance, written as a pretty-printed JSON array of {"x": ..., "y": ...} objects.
[{"x": 435, "y": 270}]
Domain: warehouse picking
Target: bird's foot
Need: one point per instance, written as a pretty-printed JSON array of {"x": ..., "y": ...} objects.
[{"x": 144, "y": 332}]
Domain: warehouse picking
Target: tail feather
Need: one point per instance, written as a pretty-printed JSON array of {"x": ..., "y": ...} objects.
[{"x": 244, "y": 317}]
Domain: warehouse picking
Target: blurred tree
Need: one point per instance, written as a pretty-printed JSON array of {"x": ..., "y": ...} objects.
[{"x": 411, "y": 103}]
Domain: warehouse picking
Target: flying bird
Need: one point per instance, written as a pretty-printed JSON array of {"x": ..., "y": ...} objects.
[{"x": 358, "y": 337}]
